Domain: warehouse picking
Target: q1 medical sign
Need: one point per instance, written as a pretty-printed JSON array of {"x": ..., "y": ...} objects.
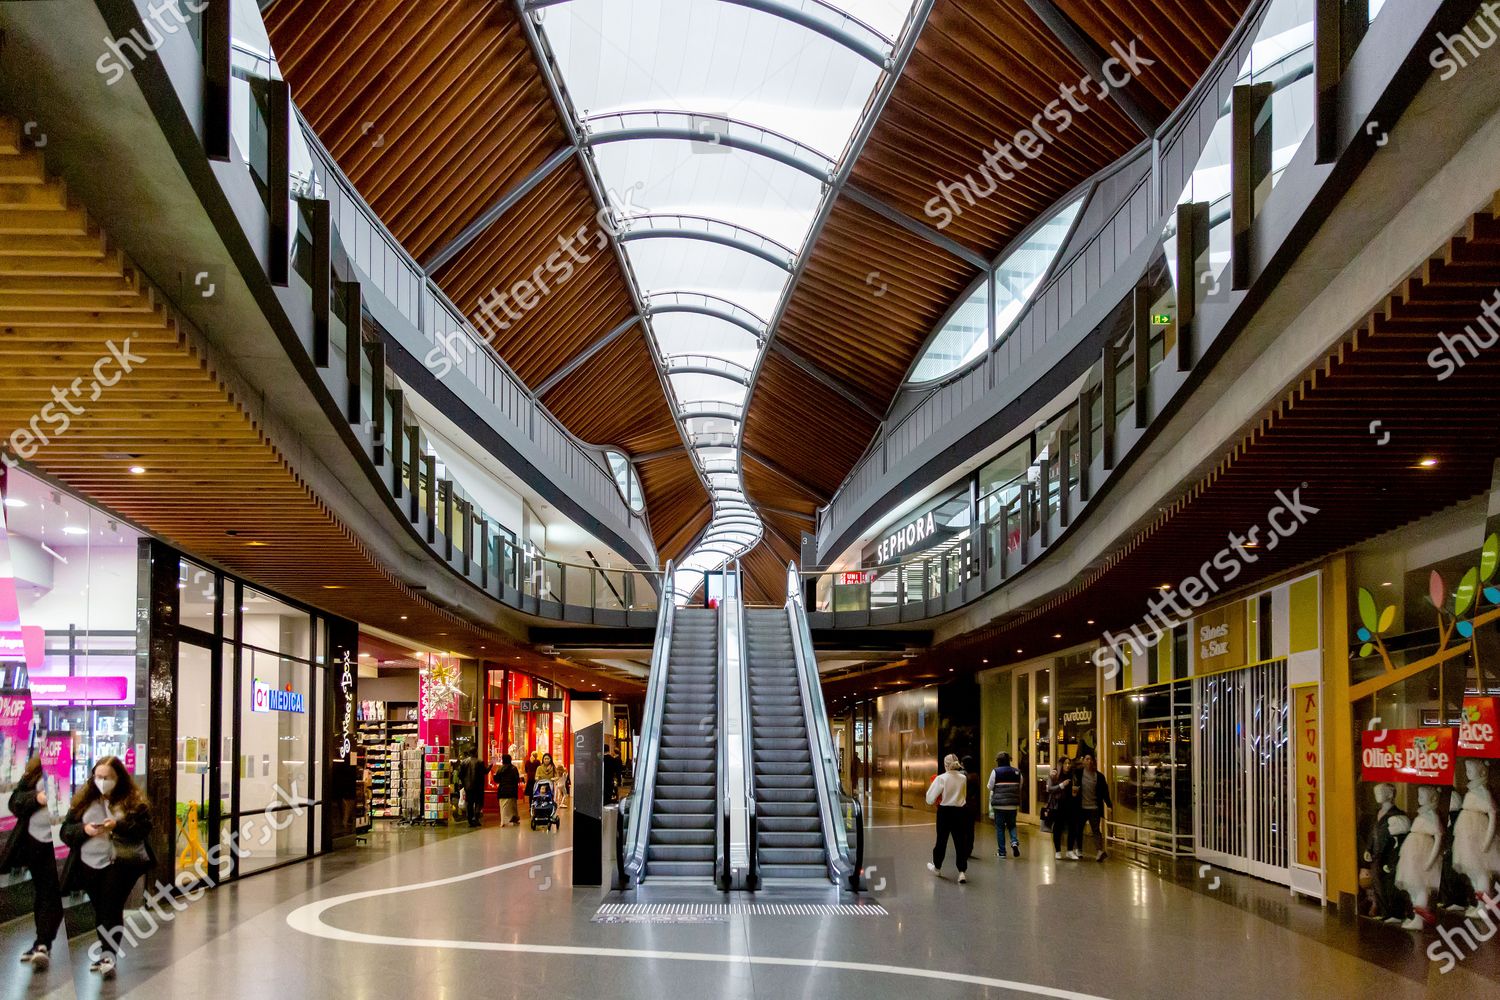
[
  {"x": 1408, "y": 756},
  {"x": 1479, "y": 728},
  {"x": 266, "y": 698}
]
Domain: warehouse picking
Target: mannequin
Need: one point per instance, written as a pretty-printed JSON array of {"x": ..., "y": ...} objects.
[
  {"x": 1382, "y": 853},
  {"x": 1456, "y": 893},
  {"x": 1476, "y": 851},
  {"x": 1420, "y": 870}
]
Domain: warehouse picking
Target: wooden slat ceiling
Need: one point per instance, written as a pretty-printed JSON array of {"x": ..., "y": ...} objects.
[
  {"x": 615, "y": 398},
  {"x": 980, "y": 73},
  {"x": 677, "y": 503},
  {"x": 1316, "y": 440},
  {"x": 433, "y": 110},
  {"x": 583, "y": 294},
  {"x": 215, "y": 486},
  {"x": 1191, "y": 34}
]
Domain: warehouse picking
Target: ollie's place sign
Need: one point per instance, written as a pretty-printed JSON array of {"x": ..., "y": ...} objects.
[
  {"x": 1479, "y": 728},
  {"x": 1410, "y": 756}
]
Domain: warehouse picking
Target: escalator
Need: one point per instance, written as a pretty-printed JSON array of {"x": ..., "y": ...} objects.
[
  {"x": 789, "y": 834},
  {"x": 671, "y": 819},
  {"x": 682, "y": 832}
]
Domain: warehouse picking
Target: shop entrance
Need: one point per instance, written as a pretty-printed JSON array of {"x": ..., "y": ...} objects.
[
  {"x": 1033, "y": 727},
  {"x": 1243, "y": 807}
]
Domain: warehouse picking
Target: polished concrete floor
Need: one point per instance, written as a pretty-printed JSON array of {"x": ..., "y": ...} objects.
[{"x": 491, "y": 913}]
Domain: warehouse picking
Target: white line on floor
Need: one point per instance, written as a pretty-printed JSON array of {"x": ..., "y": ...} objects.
[{"x": 309, "y": 920}]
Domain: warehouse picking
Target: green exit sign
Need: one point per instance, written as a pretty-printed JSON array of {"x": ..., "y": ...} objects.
[{"x": 1161, "y": 319}]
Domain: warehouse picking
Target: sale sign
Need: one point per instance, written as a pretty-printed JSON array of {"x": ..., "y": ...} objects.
[
  {"x": 15, "y": 743},
  {"x": 1479, "y": 728},
  {"x": 57, "y": 773},
  {"x": 1408, "y": 756}
]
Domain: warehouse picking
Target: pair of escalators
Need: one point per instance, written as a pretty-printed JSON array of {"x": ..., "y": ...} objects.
[{"x": 737, "y": 781}]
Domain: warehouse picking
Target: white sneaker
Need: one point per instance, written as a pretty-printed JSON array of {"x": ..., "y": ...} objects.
[
  {"x": 1072, "y": 855},
  {"x": 41, "y": 958},
  {"x": 107, "y": 967},
  {"x": 1100, "y": 856},
  {"x": 963, "y": 877},
  {"x": 932, "y": 868},
  {"x": 1057, "y": 855}
]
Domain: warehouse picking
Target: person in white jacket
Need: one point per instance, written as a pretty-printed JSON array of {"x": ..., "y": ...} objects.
[{"x": 949, "y": 791}]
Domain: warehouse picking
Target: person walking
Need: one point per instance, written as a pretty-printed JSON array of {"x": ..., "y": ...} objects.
[
  {"x": 1093, "y": 799},
  {"x": 109, "y": 829},
  {"x": 1059, "y": 790},
  {"x": 30, "y": 846},
  {"x": 947, "y": 792},
  {"x": 1005, "y": 803},
  {"x": 474, "y": 789},
  {"x": 973, "y": 805},
  {"x": 507, "y": 787},
  {"x": 611, "y": 775},
  {"x": 532, "y": 763}
]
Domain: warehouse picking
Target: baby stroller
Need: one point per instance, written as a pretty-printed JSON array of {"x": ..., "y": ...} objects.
[{"x": 544, "y": 806}]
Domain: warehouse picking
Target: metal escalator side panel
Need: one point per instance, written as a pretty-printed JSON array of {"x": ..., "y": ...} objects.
[
  {"x": 647, "y": 753},
  {"x": 819, "y": 737}
]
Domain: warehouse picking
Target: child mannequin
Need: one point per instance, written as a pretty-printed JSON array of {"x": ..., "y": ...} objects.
[
  {"x": 1420, "y": 870},
  {"x": 1382, "y": 852},
  {"x": 1476, "y": 851}
]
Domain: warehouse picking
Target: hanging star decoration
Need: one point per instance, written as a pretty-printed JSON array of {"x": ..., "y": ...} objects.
[{"x": 442, "y": 687}]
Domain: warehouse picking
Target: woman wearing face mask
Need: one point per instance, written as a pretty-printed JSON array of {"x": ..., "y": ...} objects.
[
  {"x": 30, "y": 847},
  {"x": 108, "y": 828}
]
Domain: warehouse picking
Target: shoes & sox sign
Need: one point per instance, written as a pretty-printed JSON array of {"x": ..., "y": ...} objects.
[{"x": 1411, "y": 756}]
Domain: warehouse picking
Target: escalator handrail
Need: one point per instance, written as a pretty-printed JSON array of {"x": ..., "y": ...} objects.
[
  {"x": 747, "y": 727},
  {"x": 649, "y": 750},
  {"x": 820, "y": 741},
  {"x": 859, "y": 837},
  {"x": 722, "y": 867}
]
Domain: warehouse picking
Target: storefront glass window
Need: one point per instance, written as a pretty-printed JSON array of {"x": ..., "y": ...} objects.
[{"x": 74, "y": 573}]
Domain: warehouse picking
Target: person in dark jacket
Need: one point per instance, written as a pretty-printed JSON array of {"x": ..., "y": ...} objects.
[
  {"x": 1059, "y": 794},
  {"x": 973, "y": 805},
  {"x": 471, "y": 775},
  {"x": 612, "y": 768},
  {"x": 1005, "y": 803},
  {"x": 109, "y": 829},
  {"x": 1091, "y": 798},
  {"x": 507, "y": 787},
  {"x": 30, "y": 846}
]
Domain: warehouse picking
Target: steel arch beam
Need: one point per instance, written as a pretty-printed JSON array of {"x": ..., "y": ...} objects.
[
  {"x": 799, "y": 17},
  {"x": 743, "y": 143},
  {"x": 722, "y": 239},
  {"x": 697, "y": 370},
  {"x": 724, "y": 314}
]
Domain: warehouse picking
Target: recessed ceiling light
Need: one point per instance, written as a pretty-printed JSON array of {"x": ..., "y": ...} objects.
[
  {"x": 1428, "y": 463},
  {"x": 257, "y": 544},
  {"x": 1165, "y": 586},
  {"x": 137, "y": 470},
  {"x": 333, "y": 586},
  {"x": 14, "y": 502},
  {"x": 984, "y": 661},
  {"x": 1018, "y": 651},
  {"x": 1091, "y": 621},
  {"x": 73, "y": 529},
  {"x": 403, "y": 618},
  {"x": 1057, "y": 635},
  {"x": 1387, "y": 583}
]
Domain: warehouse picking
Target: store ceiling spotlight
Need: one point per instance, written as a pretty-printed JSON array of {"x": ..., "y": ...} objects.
[
  {"x": 1428, "y": 463},
  {"x": 137, "y": 470}
]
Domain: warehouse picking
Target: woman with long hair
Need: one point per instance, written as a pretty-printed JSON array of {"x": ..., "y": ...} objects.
[
  {"x": 109, "y": 829},
  {"x": 1059, "y": 793},
  {"x": 30, "y": 846}
]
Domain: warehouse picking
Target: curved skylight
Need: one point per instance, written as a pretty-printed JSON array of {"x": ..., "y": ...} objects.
[
  {"x": 724, "y": 122},
  {"x": 965, "y": 334}
]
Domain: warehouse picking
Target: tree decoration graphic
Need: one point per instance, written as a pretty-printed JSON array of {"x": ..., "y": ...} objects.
[{"x": 1474, "y": 590}]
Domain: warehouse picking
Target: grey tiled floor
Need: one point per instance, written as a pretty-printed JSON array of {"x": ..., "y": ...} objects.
[{"x": 1059, "y": 929}]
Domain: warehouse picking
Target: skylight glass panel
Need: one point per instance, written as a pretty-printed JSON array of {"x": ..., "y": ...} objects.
[{"x": 717, "y": 127}]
